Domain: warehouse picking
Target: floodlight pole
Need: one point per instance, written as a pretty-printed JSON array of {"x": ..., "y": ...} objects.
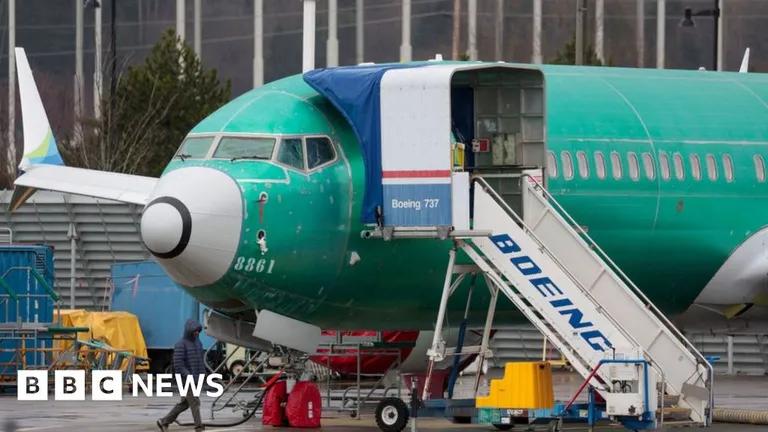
[
  {"x": 640, "y": 16},
  {"x": 717, "y": 45},
  {"x": 258, "y": 43},
  {"x": 718, "y": 14},
  {"x": 140, "y": 20},
  {"x": 113, "y": 70},
  {"x": 97, "y": 63},
  {"x": 499, "y": 30},
  {"x": 79, "y": 11},
  {"x": 580, "y": 13},
  {"x": 405, "y": 45},
  {"x": 359, "y": 31},
  {"x": 536, "y": 57},
  {"x": 456, "y": 35},
  {"x": 472, "y": 33},
  {"x": 332, "y": 45},
  {"x": 308, "y": 60},
  {"x": 600, "y": 30},
  {"x": 661, "y": 33},
  {"x": 181, "y": 17},
  {"x": 12, "y": 88},
  {"x": 198, "y": 23}
]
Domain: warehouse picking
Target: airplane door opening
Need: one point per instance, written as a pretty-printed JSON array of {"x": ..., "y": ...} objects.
[{"x": 498, "y": 114}]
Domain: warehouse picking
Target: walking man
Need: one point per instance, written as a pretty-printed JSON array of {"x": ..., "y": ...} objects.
[{"x": 188, "y": 362}]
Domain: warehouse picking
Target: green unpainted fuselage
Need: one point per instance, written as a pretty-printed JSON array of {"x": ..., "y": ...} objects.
[{"x": 670, "y": 236}]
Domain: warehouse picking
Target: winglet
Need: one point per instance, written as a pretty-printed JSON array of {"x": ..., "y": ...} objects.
[
  {"x": 39, "y": 143},
  {"x": 745, "y": 62}
]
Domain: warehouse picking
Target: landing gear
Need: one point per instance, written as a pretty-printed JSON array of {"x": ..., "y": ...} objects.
[
  {"x": 236, "y": 368},
  {"x": 391, "y": 415}
]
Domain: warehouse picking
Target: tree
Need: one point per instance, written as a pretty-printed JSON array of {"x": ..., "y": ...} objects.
[
  {"x": 567, "y": 55},
  {"x": 154, "y": 106}
]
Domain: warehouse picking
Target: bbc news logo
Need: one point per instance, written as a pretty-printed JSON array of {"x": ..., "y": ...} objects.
[{"x": 107, "y": 385}]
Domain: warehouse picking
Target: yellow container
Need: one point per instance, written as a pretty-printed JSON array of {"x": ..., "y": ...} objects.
[
  {"x": 524, "y": 385},
  {"x": 457, "y": 150}
]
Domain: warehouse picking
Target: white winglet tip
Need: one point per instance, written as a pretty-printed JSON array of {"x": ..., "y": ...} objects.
[
  {"x": 745, "y": 62},
  {"x": 39, "y": 142}
]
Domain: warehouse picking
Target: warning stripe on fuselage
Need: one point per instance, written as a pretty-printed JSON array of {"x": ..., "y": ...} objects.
[{"x": 416, "y": 177}]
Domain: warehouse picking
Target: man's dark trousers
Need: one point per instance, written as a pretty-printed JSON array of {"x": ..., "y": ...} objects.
[{"x": 188, "y": 401}]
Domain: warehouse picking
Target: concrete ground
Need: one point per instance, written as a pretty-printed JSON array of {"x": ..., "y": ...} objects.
[{"x": 139, "y": 414}]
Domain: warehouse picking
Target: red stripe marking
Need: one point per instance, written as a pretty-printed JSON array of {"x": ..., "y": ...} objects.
[{"x": 416, "y": 174}]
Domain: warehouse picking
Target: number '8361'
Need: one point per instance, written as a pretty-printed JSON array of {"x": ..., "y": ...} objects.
[{"x": 254, "y": 265}]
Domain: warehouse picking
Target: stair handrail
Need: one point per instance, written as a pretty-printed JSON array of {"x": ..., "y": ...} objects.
[
  {"x": 253, "y": 371},
  {"x": 616, "y": 269},
  {"x": 637, "y": 291},
  {"x": 500, "y": 201}
]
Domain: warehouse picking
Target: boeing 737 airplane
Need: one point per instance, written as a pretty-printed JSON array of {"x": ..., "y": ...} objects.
[{"x": 266, "y": 204}]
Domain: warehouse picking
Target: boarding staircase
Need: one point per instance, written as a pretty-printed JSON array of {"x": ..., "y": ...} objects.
[{"x": 579, "y": 299}]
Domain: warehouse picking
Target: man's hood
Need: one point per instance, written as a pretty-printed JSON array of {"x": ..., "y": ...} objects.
[{"x": 190, "y": 327}]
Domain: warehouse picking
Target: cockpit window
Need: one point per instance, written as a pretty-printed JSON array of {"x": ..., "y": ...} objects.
[
  {"x": 245, "y": 148},
  {"x": 291, "y": 153},
  {"x": 195, "y": 147},
  {"x": 319, "y": 151}
]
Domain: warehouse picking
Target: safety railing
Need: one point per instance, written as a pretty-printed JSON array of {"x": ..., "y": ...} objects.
[
  {"x": 13, "y": 301},
  {"x": 519, "y": 220},
  {"x": 702, "y": 360},
  {"x": 254, "y": 370}
]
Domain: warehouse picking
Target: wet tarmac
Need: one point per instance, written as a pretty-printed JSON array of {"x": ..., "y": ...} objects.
[{"x": 139, "y": 414}]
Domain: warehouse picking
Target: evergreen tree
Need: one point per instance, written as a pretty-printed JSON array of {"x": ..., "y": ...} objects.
[
  {"x": 154, "y": 106},
  {"x": 567, "y": 55}
]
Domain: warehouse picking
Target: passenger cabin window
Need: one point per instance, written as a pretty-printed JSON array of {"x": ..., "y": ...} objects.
[
  {"x": 600, "y": 165},
  {"x": 679, "y": 168},
  {"x": 581, "y": 158},
  {"x": 245, "y": 148},
  {"x": 319, "y": 152},
  {"x": 291, "y": 153},
  {"x": 695, "y": 167},
  {"x": 664, "y": 165},
  {"x": 616, "y": 165},
  {"x": 195, "y": 147},
  {"x": 648, "y": 167},
  {"x": 759, "y": 168},
  {"x": 551, "y": 165},
  {"x": 567, "y": 165},
  {"x": 728, "y": 168},
  {"x": 634, "y": 166},
  {"x": 711, "y": 167}
]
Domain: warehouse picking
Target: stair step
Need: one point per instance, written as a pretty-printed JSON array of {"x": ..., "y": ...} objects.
[
  {"x": 579, "y": 267},
  {"x": 680, "y": 423},
  {"x": 671, "y": 400},
  {"x": 675, "y": 413}
]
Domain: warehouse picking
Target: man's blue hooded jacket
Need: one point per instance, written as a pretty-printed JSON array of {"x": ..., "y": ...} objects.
[{"x": 188, "y": 352}]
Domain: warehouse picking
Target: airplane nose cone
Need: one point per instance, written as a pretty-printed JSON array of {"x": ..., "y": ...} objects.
[
  {"x": 192, "y": 224},
  {"x": 166, "y": 227}
]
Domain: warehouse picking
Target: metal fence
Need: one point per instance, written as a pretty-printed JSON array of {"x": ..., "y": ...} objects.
[{"x": 105, "y": 232}]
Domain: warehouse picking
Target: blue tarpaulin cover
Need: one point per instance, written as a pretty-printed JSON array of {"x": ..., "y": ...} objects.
[{"x": 354, "y": 91}]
